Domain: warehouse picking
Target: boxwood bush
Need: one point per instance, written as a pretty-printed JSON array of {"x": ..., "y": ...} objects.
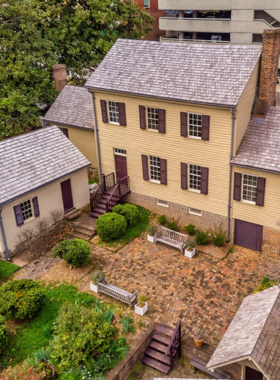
[
  {"x": 201, "y": 238},
  {"x": 130, "y": 212},
  {"x": 20, "y": 299},
  {"x": 74, "y": 252},
  {"x": 3, "y": 333},
  {"x": 111, "y": 226}
]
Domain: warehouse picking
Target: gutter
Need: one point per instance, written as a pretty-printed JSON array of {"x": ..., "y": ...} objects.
[
  {"x": 96, "y": 136},
  {"x": 3, "y": 235},
  {"x": 45, "y": 123},
  {"x": 255, "y": 168},
  {"x": 233, "y": 118}
]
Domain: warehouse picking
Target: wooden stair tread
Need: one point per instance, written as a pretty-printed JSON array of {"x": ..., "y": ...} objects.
[
  {"x": 158, "y": 346},
  {"x": 155, "y": 364},
  {"x": 158, "y": 356},
  {"x": 164, "y": 329},
  {"x": 161, "y": 338}
]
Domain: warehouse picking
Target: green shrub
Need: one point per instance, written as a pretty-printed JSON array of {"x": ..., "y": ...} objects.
[
  {"x": 218, "y": 237},
  {"x": 152, "y": 229},
  {"x": 173, "y": 225},
  {"x": 201, "y": 238},
  {"x": 20, "y": 299},
  {"x": 130, "y": 212},
  {"x": 98, "y": 276},
  {"x": 3, "y": 333},
  {"x": 74, "y": 252},
  {"x": 190, "y": 228},
  {"x": 162, "y": 220},
  {"x": 111, "y": 226},
  {"x": 128, "y": 325}
]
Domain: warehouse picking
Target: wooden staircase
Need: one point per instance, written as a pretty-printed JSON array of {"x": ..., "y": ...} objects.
[
  {"x": 100, "y": 207},
  {"x": 163, "y": 347}
]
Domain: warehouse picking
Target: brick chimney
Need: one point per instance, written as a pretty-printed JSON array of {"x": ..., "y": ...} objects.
[
  {"x": 268, "y": 72},
  {"x": 59, "y": 76}
]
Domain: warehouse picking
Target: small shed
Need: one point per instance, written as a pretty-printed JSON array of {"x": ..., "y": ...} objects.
[
  {"x": 253, "y": 338},
  {"x": 42, "y": 174}
]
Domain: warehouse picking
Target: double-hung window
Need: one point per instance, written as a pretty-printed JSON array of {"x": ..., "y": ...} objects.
[
  {"x": 152, "y": 116},
  {"x": 26, "y": 209},
  {"x": 195, "y": 125},
  {"x": 154, "y": 163},
  {"x": 195, "y": 178},
  {"x": 249, "y": 188},
  {"x": 113, "y": 111},
  {"x": 146, "y": 3}
]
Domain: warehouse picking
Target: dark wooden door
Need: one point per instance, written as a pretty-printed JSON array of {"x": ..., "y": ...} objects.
[
  {"x": 252, "y": 374},
  {"x": 67, "y": 195},
  {"x": 121, "y": 168},
  {"x": 248, "y": 235}
]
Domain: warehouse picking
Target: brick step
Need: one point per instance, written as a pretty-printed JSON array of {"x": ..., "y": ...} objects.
[
  {"x": 155, "y": 364},
  {"x": 161, "y": 338},
  {"x": 164, "y": 329},
  {"x": 158, "y": 356},
  {"x": 158, "y": 346}
]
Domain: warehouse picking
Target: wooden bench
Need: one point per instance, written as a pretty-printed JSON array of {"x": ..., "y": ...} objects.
[
  {"x": 217, "y": 373},
  {"x": 173, "y": 238},
  {"x": 117, "y": 293}
]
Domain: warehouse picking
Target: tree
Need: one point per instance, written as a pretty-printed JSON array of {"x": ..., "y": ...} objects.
[{"x": 35, "y": 34}]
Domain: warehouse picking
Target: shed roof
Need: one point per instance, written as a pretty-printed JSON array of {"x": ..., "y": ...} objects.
[
  {"x": 72, "y": 107},
  {"x": 34, "y": 159},
  {"x": 195, "y": 73},
  {"x": 253, "y": 333},
  {"x": 260, "y": 146}
]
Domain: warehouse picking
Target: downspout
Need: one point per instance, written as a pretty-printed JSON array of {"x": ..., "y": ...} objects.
[
  {"x": 3, "y": 235},
  {"x": 233, "y": 118},
  {"x": 97, "y": 137}
]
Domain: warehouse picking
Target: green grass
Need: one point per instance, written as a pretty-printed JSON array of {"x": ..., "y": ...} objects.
[
  {"x": 131, "y": 232},
  {"x": 35, "y": 334},
  {"x": 265, "y": 284},
  {"x": 92, "y": 181},
  {"x": 6, "y": 269}
]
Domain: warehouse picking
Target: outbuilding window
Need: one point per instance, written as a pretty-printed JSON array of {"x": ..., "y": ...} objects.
[
  {"x": 249, "y": 188},
  {"x": 26, "y": 209}
]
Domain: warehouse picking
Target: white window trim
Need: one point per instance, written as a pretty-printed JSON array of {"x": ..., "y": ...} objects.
[
  {"x": 193, "y": 137},
  {"x": 107, "y": 104},
  {"x": 32, "y": 208},
  {"x": 120, "y": 154},
  {"x": 147, "y": 120},
  {"x": 189, "y": 181},
  {"x": 245, "y": 200},
  {"x": 150, "y": 179},
  {"x": 162, "y": 204},
  {"x": 193, "y": 212}
]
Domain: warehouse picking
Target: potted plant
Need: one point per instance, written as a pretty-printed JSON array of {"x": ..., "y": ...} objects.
[
  {"x": 142, "y": 306},
  {"x": 98, "y": 276},
  {"x": 190, "y": 249},
  {"x": 199, "y": 338},
  {"x": 151, "y": 231}
]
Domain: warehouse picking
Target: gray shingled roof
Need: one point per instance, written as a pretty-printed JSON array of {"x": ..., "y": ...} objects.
[
  {"x": 34, "y": 159},
  {"x": 196, "y": 73},
  {"x": 72, "y": 107},
  {"x": 254, "y": 332},
  {"x": 260, "y": 146}
]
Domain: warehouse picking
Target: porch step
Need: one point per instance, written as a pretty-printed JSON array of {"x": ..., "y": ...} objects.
[
  {"x": 94, "y": 215},
  {"x": 72, "y": 214},
  {"x": 158, "y": 356},
  {"x": 79, "y": 235},
  {"x": 84, "y": 231},
  {"x": 164, "y": 329},
  {"x": 158, "y": 346},
  {"x": 161, "y": 338},
  {"x": 155, "y": 364}
]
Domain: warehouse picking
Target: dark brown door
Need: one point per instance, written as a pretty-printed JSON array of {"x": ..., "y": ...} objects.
[
  {"x": 67, "y": 195},
  {"x": 252, "y": 374},
  {"x": 248, "y": 235},
  {"x": 121, "y": 168}
]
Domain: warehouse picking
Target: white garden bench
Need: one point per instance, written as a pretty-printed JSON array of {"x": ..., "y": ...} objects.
[
  {"x": 117, "y": 293},
  {"x": 173, "y": 238}
]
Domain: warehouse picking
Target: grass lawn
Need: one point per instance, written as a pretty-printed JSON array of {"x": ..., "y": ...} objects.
[
  {"x": 6, "y": 269},
  {"x": 92, "y": 181}
]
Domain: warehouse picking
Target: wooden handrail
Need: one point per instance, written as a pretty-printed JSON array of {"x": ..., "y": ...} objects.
[{"x": 112, "y": 194}]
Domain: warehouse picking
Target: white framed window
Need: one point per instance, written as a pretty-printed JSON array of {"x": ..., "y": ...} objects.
[
  {"x": 113, "y": 112},
  {"x": 146, "y": 3},
  {"x": 162, "y": 203},
  {"x": 249, "y": 188},
  {"x": 152, "y": 118},
  {"x": 26, "y": 209},
  {"x": 120, "y": 152},
  {"x": 195, "y": 125},
  {"x": 195, "y": 178},
  {"x": 195, "y": 211},
  {"x": 154, "y": 163}
]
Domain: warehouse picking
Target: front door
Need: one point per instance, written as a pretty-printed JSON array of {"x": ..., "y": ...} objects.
[
  {"x": 121, "y": 168},
  {"x": 248, "y": 235},
  {"x": 252, "y": 374},
  {"x": 67, "y": 195}
]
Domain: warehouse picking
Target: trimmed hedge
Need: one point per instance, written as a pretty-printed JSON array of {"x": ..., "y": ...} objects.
[
  {"x": 111, "y": 226},
  {"x": 130, "y": 212},
  {"x": 74, "y": 252},
  {"x": 20, "y": 299}
]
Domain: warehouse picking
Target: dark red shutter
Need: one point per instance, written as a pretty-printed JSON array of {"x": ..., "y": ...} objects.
[
  {"x": 18, "y": 215},
  {"x": 184, "y": 176},
  {"x": 237, "y": 186},
  {"x": 205, "y": 127},
  {"x": 145, "y": 167},
  {"x": 260, "y": 191},
  {"x": 204, "y": 180},
  {"x": 36, "y": 207},
  {"x": 184, "y": 124},
  {"x": 142, "y": 117},
  {"x": 122, "y": 115},
  {"x": 163, "y": 171},
  {"x": 65, "y": 132},
  {"x": 161, "y": 121},
  {"x": 104, "y": 111}
]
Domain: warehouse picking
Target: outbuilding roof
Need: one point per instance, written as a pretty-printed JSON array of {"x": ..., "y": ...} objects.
[
  {"x": 213, "y": 74},
  {"x": 254, "y": 333},
  {"x": 72, "y": 107},
  {"x": 260, "y": 146},
  {"x": 34, "y": 159}
]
